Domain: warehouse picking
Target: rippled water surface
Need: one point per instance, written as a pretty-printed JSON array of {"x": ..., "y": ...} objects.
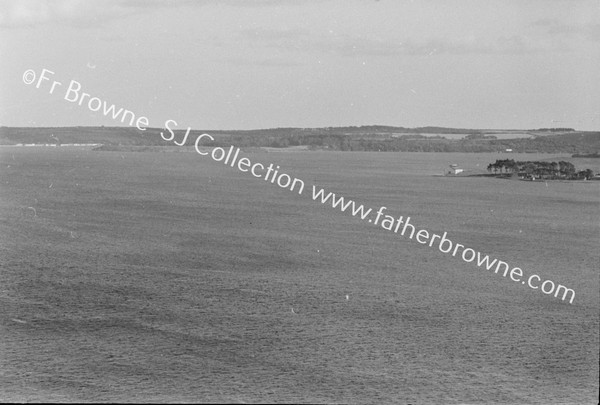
[{"x": 170, "y": 277}]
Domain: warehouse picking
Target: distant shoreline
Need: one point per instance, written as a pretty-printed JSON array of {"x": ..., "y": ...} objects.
[{"x": 346, "y": 139}]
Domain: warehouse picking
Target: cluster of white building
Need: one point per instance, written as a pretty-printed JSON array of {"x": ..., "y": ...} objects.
[{"x": 53, "y": 144}]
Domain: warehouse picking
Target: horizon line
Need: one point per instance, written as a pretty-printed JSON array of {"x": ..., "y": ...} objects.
[{"x": 305, "y": 128}]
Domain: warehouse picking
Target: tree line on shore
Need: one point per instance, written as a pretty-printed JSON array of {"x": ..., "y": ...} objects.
[
  {"x": 570, "y": 142},
  {"x": 539, "y": 169}
]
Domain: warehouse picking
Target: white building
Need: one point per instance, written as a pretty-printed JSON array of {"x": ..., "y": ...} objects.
[{"x": 454, "y": 169}]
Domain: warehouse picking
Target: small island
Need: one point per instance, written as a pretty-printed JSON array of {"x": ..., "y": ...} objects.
[{"x": 539, "y": 170}]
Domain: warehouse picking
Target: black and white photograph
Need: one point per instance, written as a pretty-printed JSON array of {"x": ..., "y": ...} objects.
[{"x": 300, "y": 201}]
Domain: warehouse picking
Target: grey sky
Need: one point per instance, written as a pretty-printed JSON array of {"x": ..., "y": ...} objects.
[{"x": 226, "y": 64}]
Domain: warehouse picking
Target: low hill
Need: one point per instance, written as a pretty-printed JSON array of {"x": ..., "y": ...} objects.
[{"x": 365, "y": 138}]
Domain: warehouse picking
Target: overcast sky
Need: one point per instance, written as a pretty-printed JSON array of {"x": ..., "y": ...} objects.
[{"x": 227, "y": 64}]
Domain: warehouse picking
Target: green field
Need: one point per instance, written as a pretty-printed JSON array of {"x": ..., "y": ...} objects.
[{"x": 169, "y": 277}]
